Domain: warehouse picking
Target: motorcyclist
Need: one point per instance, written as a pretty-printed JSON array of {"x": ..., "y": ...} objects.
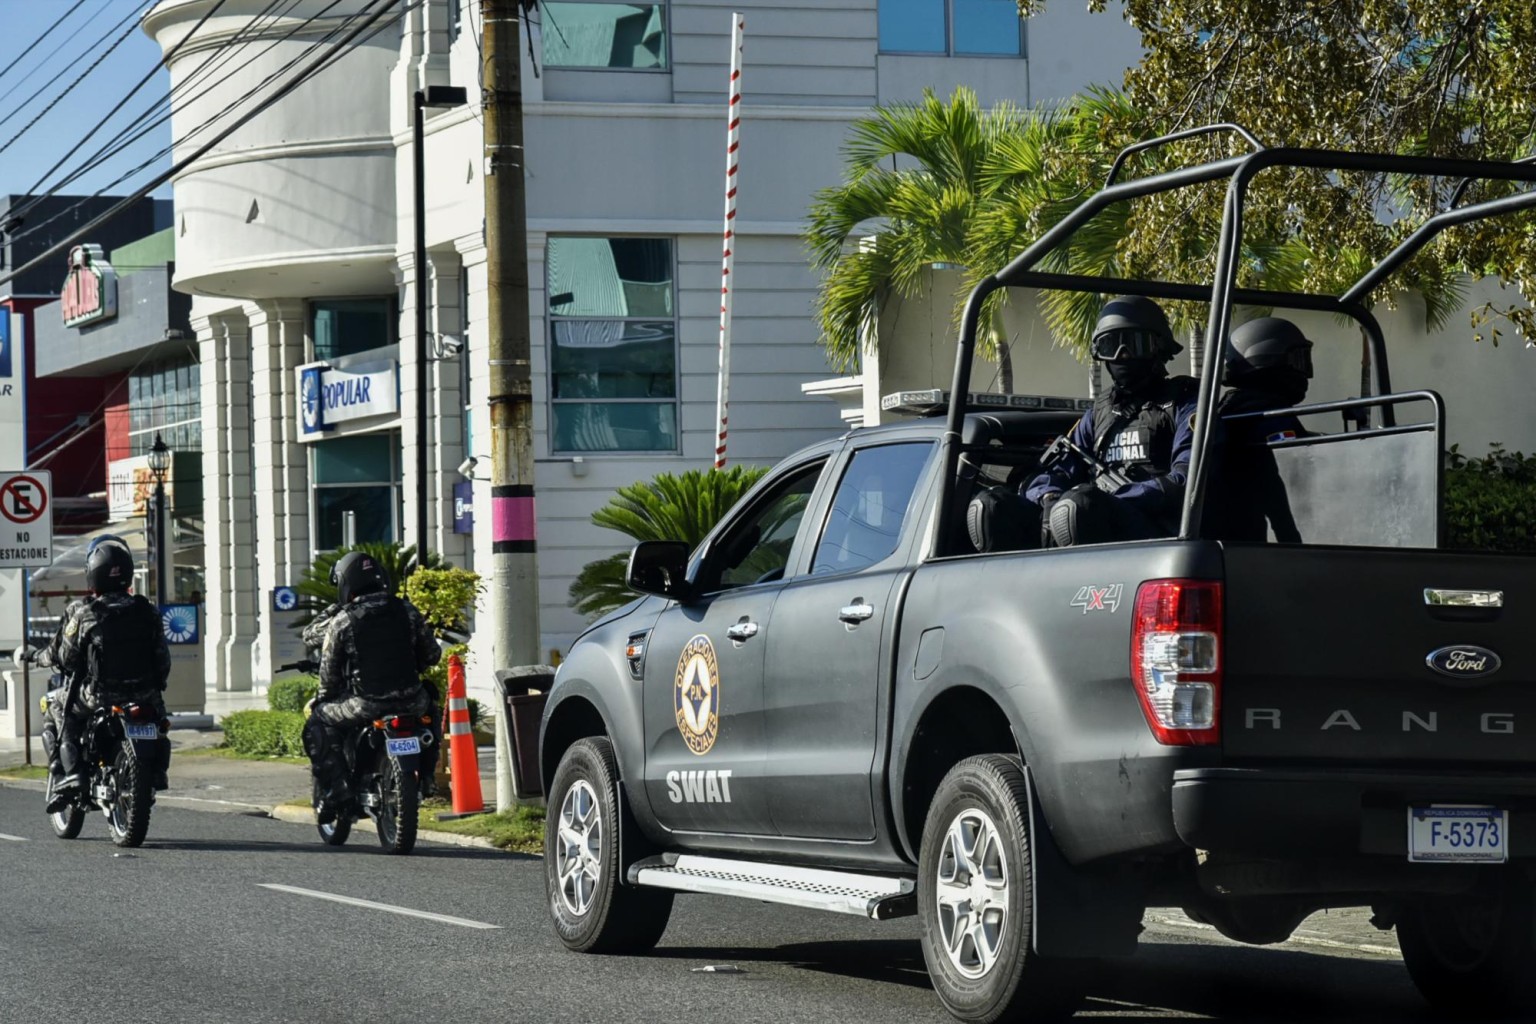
[
  {"x": 374, "y": 648},
  {"x": 112, "y": 645},
  {"x": 1139, "y": 431},
  {"x": 1268, "y": 365}
]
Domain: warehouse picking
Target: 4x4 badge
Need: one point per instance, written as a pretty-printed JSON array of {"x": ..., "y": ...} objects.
[
  {"x": 1464, "y": 661},
  {"x": 1099, "y": 599}
]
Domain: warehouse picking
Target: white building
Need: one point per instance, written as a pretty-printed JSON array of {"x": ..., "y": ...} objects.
[{"x": 295, "y": 237}]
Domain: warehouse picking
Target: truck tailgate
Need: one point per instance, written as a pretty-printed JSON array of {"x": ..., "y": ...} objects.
[{"x": 1328, "y": 655}]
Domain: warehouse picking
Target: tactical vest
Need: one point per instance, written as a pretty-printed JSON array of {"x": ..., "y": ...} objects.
[
  {"x": 120, "y": 645},
  {"x": 1139, "y": 436},
  {"x": 383, "y": 647}
]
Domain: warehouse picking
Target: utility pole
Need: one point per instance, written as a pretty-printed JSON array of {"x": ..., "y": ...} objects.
[{"x": 514, "y": 590}]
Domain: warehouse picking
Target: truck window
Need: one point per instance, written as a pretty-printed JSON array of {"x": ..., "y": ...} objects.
[
  {"x": 756, "y": 549},
  {"x": 872, "y": 500}
]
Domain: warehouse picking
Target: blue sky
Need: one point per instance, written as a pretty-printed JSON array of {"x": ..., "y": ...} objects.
[{"x": 62, "y": 131}]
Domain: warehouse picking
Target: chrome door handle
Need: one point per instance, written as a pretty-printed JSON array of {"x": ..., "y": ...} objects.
[
  {"x": 742, "y": 631},
  {"x": 855, "y": 613}
]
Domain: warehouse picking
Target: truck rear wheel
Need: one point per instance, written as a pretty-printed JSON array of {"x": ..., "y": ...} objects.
[
  {"x": 1473, "y": 955},
  {"x": 593, "y": 910},
  {"x": 975, "y": 900}
]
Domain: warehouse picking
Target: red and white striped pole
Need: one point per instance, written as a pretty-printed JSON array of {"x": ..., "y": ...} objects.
[{"x": 733, "y": 145}]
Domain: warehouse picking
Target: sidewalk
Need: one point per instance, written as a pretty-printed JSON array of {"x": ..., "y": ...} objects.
[{"x": 216, "y": 705}]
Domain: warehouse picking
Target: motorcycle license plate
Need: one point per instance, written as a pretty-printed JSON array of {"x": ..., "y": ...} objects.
[
  {"x": 141, "y": 732},
  {"x": 404, "y": 745},
  {"x": 1458, "y": 833}
]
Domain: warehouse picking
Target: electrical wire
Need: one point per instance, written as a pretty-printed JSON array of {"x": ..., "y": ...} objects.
[
  {"x": 128, "y": 175},
  {"x": 16, "y": 62},
  {"x": 351, "y": 41},
  {"x": 63, "y": 42},
  {"x": 132, "y": 17}
]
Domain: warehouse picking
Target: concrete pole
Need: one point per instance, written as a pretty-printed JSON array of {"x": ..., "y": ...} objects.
[{"x": 514, "y": 589}]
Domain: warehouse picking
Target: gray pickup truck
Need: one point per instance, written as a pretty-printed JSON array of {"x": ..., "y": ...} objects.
[{"x": 838, "y": 702}]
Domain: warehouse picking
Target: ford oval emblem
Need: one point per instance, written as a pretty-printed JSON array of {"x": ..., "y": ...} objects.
[{"x": 1464, "y": 661}]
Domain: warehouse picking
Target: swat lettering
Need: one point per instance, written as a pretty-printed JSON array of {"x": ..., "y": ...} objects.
[{"x": 708, "y": 786}]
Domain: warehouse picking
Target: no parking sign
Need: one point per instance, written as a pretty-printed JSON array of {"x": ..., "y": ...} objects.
[{"x": 26, "y": 519}]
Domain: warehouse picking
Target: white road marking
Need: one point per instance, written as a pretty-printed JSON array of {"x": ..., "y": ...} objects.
[
  {"x": 13, "y": 839},
  {"x": 354, "y": 902}
]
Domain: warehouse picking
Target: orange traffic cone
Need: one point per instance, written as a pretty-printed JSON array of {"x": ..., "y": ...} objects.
[{"x": 463, "y": 762}]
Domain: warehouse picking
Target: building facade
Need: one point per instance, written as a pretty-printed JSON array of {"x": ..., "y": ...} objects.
[{"x": 295, "y": 238}]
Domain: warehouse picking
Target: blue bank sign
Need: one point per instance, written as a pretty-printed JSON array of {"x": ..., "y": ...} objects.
[{"x": 329, "y": 396}]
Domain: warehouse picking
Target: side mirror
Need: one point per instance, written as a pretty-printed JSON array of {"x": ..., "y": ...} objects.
[{"x": 659, "y": 567}]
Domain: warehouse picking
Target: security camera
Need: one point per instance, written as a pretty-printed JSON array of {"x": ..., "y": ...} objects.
[
  {"x": 467, "y": 468},
  {"x": 449, "y": 346}
]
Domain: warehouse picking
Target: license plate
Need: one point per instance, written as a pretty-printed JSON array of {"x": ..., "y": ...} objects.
[
  {"x": 1458, "y": 833},
  {"x": 404, "y": 745},
  {"x": 141, "y": 732}
]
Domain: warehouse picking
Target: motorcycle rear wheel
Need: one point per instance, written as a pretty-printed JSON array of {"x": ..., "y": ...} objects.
[
  {"x": 399, "y": 808},
  {"x": 128, "y": 819}
]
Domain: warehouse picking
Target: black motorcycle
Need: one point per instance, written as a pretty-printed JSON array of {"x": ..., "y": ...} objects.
[
  {"x": 122, "y": 750},
  {"x": 383, "y": 761}
]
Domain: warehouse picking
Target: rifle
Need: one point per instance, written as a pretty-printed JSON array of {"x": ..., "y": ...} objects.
[{"x": 1105, "y": 477}]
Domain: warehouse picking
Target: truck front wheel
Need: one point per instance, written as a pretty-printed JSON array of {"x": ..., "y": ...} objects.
[
  {"x": 593, "y": 910},
  {"x": 975, "y": 900},
  {"x": 1473, "y": 955}
]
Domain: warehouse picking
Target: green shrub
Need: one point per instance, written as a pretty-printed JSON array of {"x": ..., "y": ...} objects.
[
  {"x": 292, "y": 693},
  {"x": 1490, "y": 502},
  {"x": 264, "y": 733},
  {"x": 444, "y": 596}
]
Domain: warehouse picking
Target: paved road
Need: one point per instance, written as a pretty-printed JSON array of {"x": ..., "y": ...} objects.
[{"x": 193, "y": 935}]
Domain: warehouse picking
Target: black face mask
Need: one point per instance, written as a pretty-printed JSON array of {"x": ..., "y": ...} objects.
[{"x": 1132, "y": 374}]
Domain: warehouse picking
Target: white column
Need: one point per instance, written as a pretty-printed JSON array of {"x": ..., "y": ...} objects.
[
  {"x": 405, "y": 275},
  {"x": 280, "y": 461},
  {"x": 472, "y": 256},
  {"x": 445, "y": 405},
  {"x": 229, "y": 552}
]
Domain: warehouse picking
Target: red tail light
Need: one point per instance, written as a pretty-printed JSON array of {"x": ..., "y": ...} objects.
[{"x": 1176, "y": 659}]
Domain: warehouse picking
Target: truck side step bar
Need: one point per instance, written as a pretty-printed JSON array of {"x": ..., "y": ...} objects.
[{"x": 874, "y": 896}]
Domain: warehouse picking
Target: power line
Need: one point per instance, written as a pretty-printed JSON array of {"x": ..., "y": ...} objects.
[
  {"x": 63, "y": 42},
  {"x": 201, "y": 127},
  {"x": 132, "y": 15},
  {"x": 14, "y": 64},
  {"x": 346, "y": 45}
]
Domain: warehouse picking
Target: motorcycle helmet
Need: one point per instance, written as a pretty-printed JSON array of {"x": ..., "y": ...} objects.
[
  {"x": 357, "y": 573},
  {"x": 1272, "y": 347},
  {"x": 109, "y": 569},
  {"x": 107, "y": 538}
]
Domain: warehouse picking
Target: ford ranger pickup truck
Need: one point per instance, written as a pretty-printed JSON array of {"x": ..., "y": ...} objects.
[{"x": 838, "y": 701}]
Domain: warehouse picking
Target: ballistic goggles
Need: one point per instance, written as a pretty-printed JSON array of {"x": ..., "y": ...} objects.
[{"x": 1129, "y": 344}]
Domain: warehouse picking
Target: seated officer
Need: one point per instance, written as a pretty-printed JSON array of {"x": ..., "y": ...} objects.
[
  {"x": 1269, "y": 362},
  {"x": 1120, "y": 475}
]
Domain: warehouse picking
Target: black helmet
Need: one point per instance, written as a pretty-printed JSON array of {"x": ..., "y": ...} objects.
[
  {"x": 357, "y": 573},
  {"x": 107, "y": 538},
  {"x": 1133, "y": 327},
  {"x": 1272, "y": 344},
  {"x": 109, "y": 569}
]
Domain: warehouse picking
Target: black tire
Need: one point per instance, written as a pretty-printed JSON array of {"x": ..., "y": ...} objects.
[
  {"x": 995, "y": 975},
  {"x": 68, "y": 822},
  {"x": 128, "y": 820},
  {"x": 1474, "y": 955},
  {"x": 602, "y": 914},
  {"x": 335, "y": 833},
  {"x": 399, "y": 809}
]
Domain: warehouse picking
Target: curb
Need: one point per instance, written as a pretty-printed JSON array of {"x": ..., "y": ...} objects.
[
  {"x": 1169, "y": 925},
  {"x": 306, "y": 816}
]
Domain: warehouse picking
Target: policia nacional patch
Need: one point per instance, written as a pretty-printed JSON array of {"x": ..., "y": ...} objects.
[{"x": 696, "y": 695}]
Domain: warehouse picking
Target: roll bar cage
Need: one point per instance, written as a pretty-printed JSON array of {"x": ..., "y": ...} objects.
[{"x": 1223, "y": 293}]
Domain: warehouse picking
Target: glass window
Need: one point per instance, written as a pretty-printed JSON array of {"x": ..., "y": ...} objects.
[
  {"x": 612, "y": 344},
  {"x": 872, "y": 500},
  {"x": 604, "y": 35},
  {"x": 757, "y": 549},
  {"x": 342, "y": 327},
  {"x": 984, "y": 28},
  {"x": 912, "y": 26},
  {"x": 361, "y": 458},
  {"x": 373, "y": 507}
]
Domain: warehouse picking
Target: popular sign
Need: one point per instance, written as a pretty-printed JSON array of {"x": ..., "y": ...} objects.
[
  {"x": 90, "y": 289},
  {"x": 26, "y": 520},
  {"x": 328, "y": 396}
]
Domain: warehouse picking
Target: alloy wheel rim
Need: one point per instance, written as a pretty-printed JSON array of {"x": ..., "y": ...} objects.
[
  {"x": 579, "y": 848},
  {"x": 972, "y": 893}
]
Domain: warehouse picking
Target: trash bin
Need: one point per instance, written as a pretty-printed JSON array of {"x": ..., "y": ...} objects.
[{"x": 524, "y": 690}]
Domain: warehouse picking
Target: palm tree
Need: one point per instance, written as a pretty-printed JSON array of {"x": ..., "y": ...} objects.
[
  {"x": 681, "y": 507},
  {"x": 317, "y": 592}
]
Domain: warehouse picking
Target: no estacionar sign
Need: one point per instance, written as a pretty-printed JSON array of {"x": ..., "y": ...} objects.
[{"x": 26, "y": 519}]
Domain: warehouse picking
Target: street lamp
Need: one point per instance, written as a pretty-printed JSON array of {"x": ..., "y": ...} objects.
[
  {"x": 160, "y": 464},
  {"x": 431, "y": 96}
]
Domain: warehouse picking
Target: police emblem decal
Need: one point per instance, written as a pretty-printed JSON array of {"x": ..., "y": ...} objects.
[{"x": 696, "y": 695}]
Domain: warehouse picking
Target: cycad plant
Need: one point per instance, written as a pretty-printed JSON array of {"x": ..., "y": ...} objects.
[{"x": 671, "y": 506}]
